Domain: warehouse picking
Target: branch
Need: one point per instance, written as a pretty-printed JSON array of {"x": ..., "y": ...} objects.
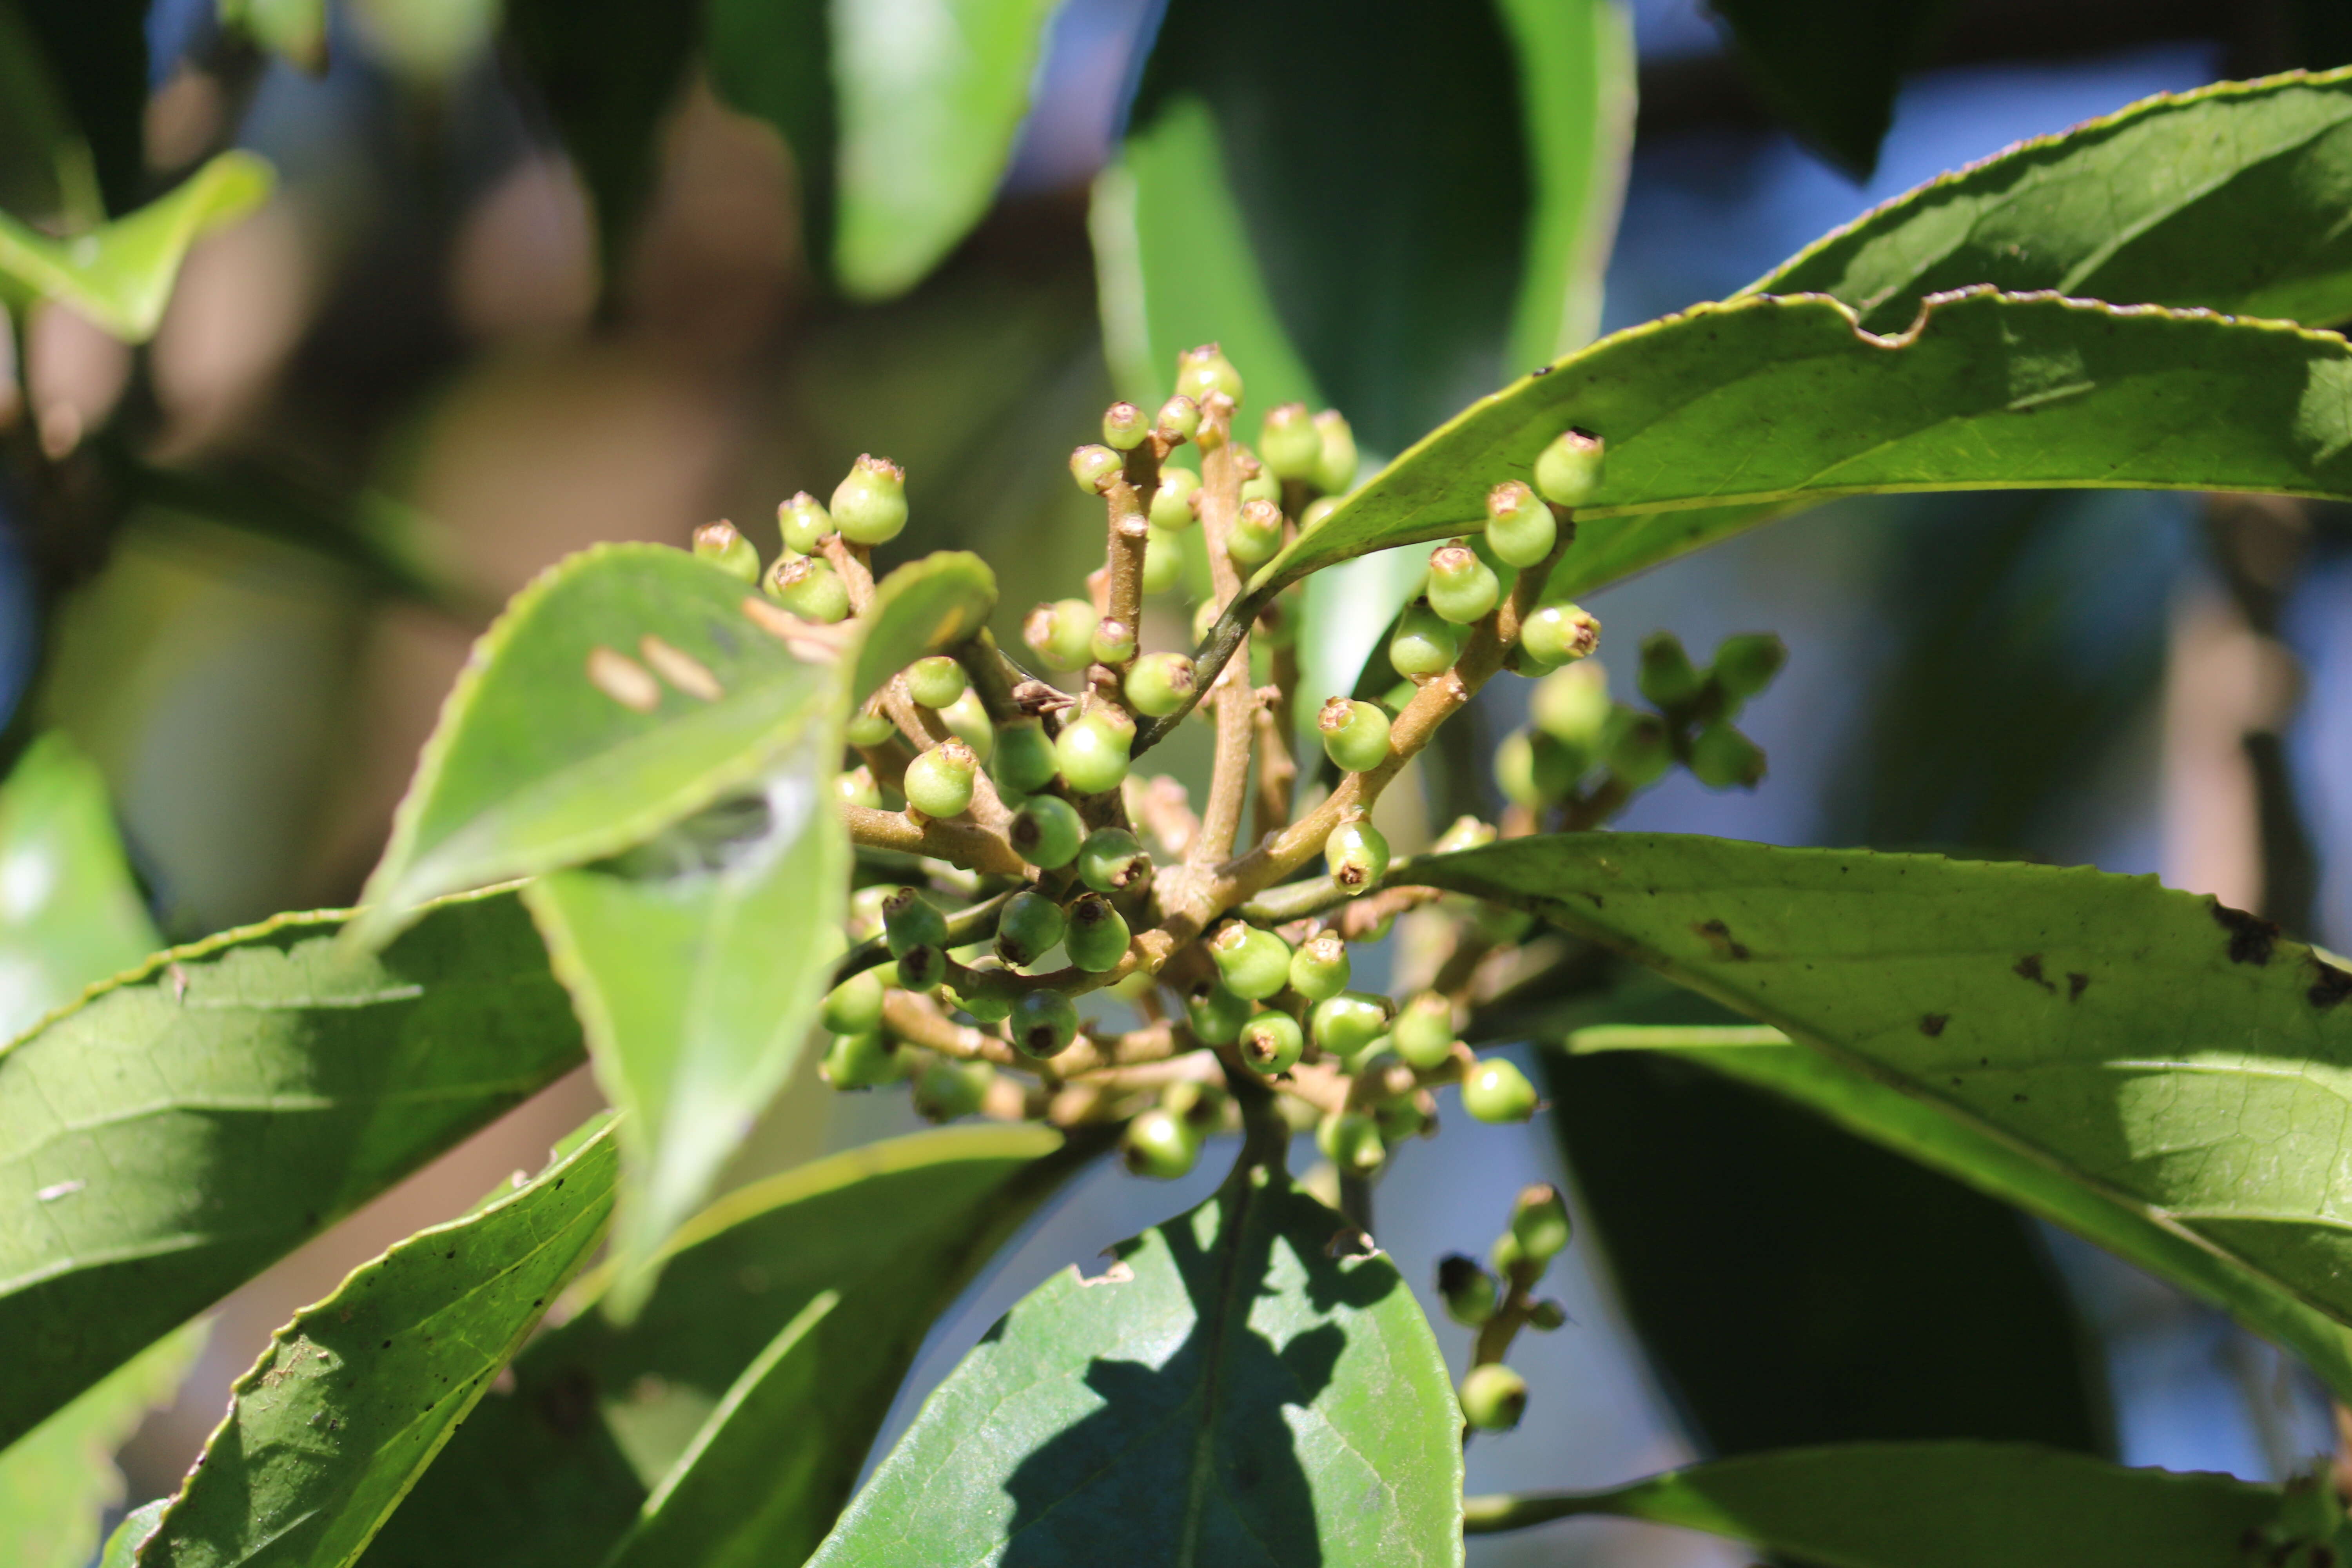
[{"x": 964, "y": 844}]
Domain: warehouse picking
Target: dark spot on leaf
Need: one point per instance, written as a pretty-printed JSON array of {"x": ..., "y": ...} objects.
[
  {"x": 2076, "y": 984},
  {"x": 1596, "y": 901},
  {"x": 1932, "y": 1024},
  {"x": 2329, "y": 985},
  {"x": 387, "y": 1344},
  {"x": 2250, "y": 936},
  {"x": 2019, "y": 1098},
  {"x": 1719, "y": 937},
  {"x": 2030, "y": 968}
]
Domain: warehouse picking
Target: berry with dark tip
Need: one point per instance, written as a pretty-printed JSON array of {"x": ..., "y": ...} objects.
[
  {"x": 1027, "y": 928},
  {"x": 1042, "y": 1022}
]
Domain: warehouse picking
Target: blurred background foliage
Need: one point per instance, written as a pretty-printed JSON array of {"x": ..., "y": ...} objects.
[{"x": 565, "y": 270}]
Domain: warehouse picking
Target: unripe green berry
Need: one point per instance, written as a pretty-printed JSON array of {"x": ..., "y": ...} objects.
[
  {"x": 1545, "y": 1315},
  {"x": 1091, "y": 751},
  {"x": 1256, "y": 533},
  {"x": 950, "y": 1088},
  {"x": 1164, "y": 560},
  {"x": 1744, "y": 664},
  {"x": 985, "y": 992},
  {"x": 920, "y": 969},
  {"x": 1028, "y": 926},
  {"x": 1289, "y": 443},
  {"x": 1496, "y": 1090},
  {"x": 1425, "y": 643},
  {"x": 1569, "y": 470},
  {"x": 1667, "y": 679},
  {"x": 1180, "y": 419},
  {"x": 1539, "y": 1221},
  {"x": 1159, "y": 1144},
  {"x": 1159, "y": 684},
  {"x": 1349, "y": 1022},
  {"x": 938, "y": 783},
  {"x": 1024, "y": 759},
  {"x": 1271, "y": 1043},
  {"x": 1113, "y": 643},
  {"x": 855, "y": 786},
  {"x": 1351, "y": 1141},
  {"x": 1216, "y": 1014},
  {"x": 1520, "y": 528},
  {"x": 1311, "y": 516},
  {"x": 1262, "y": 486},
  {"x": 870, "y": 727},
  {"x": 1061, "y": 633},
  {"x": 1462, "y": 588},
  {"x": 1723, "y": 758},
  {"x": 1494, "y": 1397},
  {"x": 803, "y": 523},
  {"x": 1355, "y": 735},
  {"x": 722, "y": 546},
  {"x": 1335, "y": 466},
  {"x": 1042, "y": 1022},
  {"x": 1098, "y": 936},
  {"x": 967, "y": 719},
  {"x": 1112, "y": 861},
  {"x": 1424, "y": 1035},
  {"x": 1171, "y": 501},
  {"x": 1508, "y": 1258},
  {"x": 1356, "y": 856},
  {"x": 1253, "y": 961},
  {"x": 855, "y": 1006},
  {"x": 1534, "y": 770},
  {"x": 870, "y": 507},
  {"x": 1560, "y": 633},
  {"x": 1046, "y": 832},
  {"x": 1320, "y": 966},
  {"x": 936, "y": 681},
  {"x": 1639, "y": 750},
  {"x": 1467, "y": 1291},
  {"x": 909, "y": 921},
  {"x": 808, "y": 588},
  {"x": 1467, "y": 833},
  {"x": 1401, "y": 1120},
  {"x": 1094, "y": 468},
  {"x": 1124, "y": 427},
  {"x": 863, "y": 1060},
  {"x": 1205, "y": 370}
]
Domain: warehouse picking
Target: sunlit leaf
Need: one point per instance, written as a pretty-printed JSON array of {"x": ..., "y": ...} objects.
[{"x": 69, "y": 915}]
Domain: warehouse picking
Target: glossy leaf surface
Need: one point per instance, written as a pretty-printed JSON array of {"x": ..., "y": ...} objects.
[
  {"x": 1228, "y": 1393},
  {"x": 183, "y": 1127},
  {"x": 696, "y": 962},
  {"x": 560, "y": 1470},
  {"x": 926, "y": 606},
  {"x": 1773, "y": 403},
  {"x": 2177, "y": 1058},
  {"x": 930, "y": 95},
  {"x": 1941, "y": 1505},
  {"x": 58, "y": 1480},
  {"x": 69, "y": 915},
  {"x": 1929, "y": 1135},
  {"x": 2229, "y": 197},
  {"x": 626, "y": 689},
  {"x": 120, "y": 275},
  {"x": 354, "y": 1397}
]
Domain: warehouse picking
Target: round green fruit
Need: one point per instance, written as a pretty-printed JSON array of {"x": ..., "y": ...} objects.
[
  {"x": 1096, "y": 937},
  {"x": 1042, "y": 1022},
  {"x": 1271, "y": 1043},
  {"x": 1424, "y": 1035},
  {"x": 948, "y": 1089},
  {"x": 1161, "y": 1144},
  {"x": 803, "y": 523},
  {"x": 1356, "y": 856},
  {"x": 1560, "y": 633},
  {"x": 1496, "y": 1090},
  {"x": 936, "y": 682},
  {"x": 1029, "y": 926},
  {"x": 724, "y": 547},
  {"x": 1462, "y": 588},
  {"x": 1216, "y": 1014},
  {"x": 1047, "y": 831},
  {"x": 855, "y": 1006},
  {"x": 863, "y": 1060},
  {"x": 1289, "y": 443},
  {"x": 1467, "y": 1291},
  {"x": 1355, "y": 735},
  {"x": 1320, "y": 966},
  {"x": 1351, "y": 1141},
  {"x": 1425, "y": 643},
  {"x": 940, "y": 782},
  {"x": 1159, "y": 684},
  {"x": 1569, "y": 470},
  {"x": 1254, "y": 962},
  {"x": 1349, "y": 1022},
  {"x": 1539, "y": 1221},
  {"x": 1520, "y": 528},
  {"x": 1061, "y": 633},
  {"x": 1494, "y": 1397},
  {"x": 1023, "y": 761},
  {"x": 807, "y": 587},
  {"x": 909, "y": 921},
  {"x": 1091, "y": 751},
  {"x": 1111, "y": 860},
  {"x": 869, "y": 505}
]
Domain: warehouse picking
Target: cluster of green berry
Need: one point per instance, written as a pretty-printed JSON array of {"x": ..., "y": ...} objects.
[{"x": 1500, "y": 1301}]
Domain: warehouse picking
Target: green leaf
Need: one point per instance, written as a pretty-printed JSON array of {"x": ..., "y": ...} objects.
[
  {"x": 1968, "y": 1151},
  {"x": 2229, "y": 197},
  {"x": 1576, "y": 89},
  {"x": 1696, "y": 1188},
  {"x": 2174, "y": 1060},
  {"x": 296, "y": 29},
  {"x": 188, "y": 1123},
  {"x": 1830, "y": 68},
  {"x": 137, "y": 1526},
  {"x": 69, "y": 915},
  {"x": 608, "y": 72},
  {"x": 1174, "y": 265},
  {"x": 1227, "y": 1392},
  {"x": 926, "y": 606},
  {"x": 696, "y": 963},
  {"x": 353, "y": 1398},
  {"x": 558, "y": 1471},
  {"x": 120, "y": 276},
  {"x": 930, "y": 94},
  {"x": 535, "y": 765},
  {"x": 96, "y": 51},
  {"x": 1936, "y": 1505},
  {"x": 772, "y": 60},
  {"x": 45, "y": 165},
  {"x": 1772, "y": 403},
  {"x": 59, "y": 1479}
]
